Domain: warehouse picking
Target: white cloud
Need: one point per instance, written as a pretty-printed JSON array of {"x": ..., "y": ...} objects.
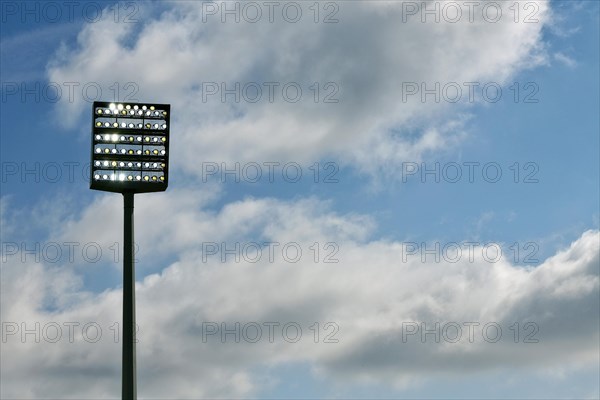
[
  {"x": 565, "y": 60},
  {"x": 368, "y": 55},
  {"x": 369, "y": 294}
]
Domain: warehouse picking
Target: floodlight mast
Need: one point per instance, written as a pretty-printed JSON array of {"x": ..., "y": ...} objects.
[
  {"x": 130, "y": 154},
  {"x": 129, "y": 377}
]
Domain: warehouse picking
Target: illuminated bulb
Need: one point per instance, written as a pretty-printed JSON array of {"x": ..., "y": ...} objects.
[
  {"x": 146, "y": 151},
  {"x": 138, "y": 178},
  {"x": 130, "y": 125},
  {"x": 147, "y": 126},
  {"x": 123, "y": 112},
  {"x": 107, "y": 151},
  {"x": 162, "y": 178},
  {"x": 122, "y": 177},
  {"x": 155, "y": 151},
  {"x": 122, "y": 164},
  {"x": 123, "y": 151},
  {"x": 104, "y": 176},
  {"x": 112, "y": 106},
  {"x": 140, "y": 112},
  {"x": 120, "y": 107},
  {"x": 112, "y": 177},
  {"x": 114, "y": 137},
  {"x": 98, "y": 137},
  {"x": 128, "y": 107},
  {"x": 147, "y": 165},
  {"x": 98, "y": 123},
  {"x": 163, "y": 165},
  {"x": 114, "y": 151},
  {"x": 155, "y": 126},
  {"x": 106, "y": 124},
  {"x": 129, "y": 178},
  {"x": 131, "y": 138},
  {"x": 130, "y": 152},
  {"x": 164, "y": 126},
  {"x": 155, "y": 139},
  {"x": 135, "y": 107},
  {"x": 155, "y": 165},
  {"x": 115, "y": 125},
  {"x": 154, "y": 177},
  {"x": 147, "y": 139},
  {"x": 99, "y": 111},
  {"x": 139, "y": 138},
  {"x": 148, "y": 113},
  {"x": 139, "y": 152},
  {"x": 164, "y": 113},
  {"x": 163, "y": 152},
  {"x": 164, "y": 139},
  {"x": 131, "y": 112},
  {"x": 106, "y": 163},
  {"x": 122, "y": 138},
  {"x": 123, "y": 125},
  {"x": 114, "y": 163},
  {"x": 146, "y": 178},
  {"x": 96, "y": 177},
  {"x": 98, "y": 163},
  {"x": 139, "y": 165},
  {"x": 152, "y": 108},
  {"x": 156, "y": 114},
  {"x": 144, "y": 108},
  {"x": 140, "y": 126},
  {"x": 130, "y": 165}
]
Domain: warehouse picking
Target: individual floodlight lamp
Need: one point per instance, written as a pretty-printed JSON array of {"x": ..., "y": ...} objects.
[{"x": 130, "y": 154}]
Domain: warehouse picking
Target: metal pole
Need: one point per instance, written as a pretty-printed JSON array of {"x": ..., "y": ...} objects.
[{"x": 129, "y": 368}]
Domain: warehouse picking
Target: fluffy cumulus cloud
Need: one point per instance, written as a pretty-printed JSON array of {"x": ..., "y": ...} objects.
[
  {"x": 364, "y": 61},
  {"x": 373, "y": 307}
]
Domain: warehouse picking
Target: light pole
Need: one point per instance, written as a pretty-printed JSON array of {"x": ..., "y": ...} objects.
[{"x": 130, "y": 154}]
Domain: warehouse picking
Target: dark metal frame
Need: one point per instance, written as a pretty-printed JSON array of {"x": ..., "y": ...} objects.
[{"x": 130, "y": 186}]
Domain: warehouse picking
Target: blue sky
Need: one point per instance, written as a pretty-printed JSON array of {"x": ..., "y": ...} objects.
[{"x": 370, "y": 140}]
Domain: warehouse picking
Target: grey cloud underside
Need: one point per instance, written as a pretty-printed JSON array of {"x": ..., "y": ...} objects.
[{"x": 368, "y": 294}]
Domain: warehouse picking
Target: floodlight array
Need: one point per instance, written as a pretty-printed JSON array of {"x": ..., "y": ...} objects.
[{"x": 130, "y": 146}]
